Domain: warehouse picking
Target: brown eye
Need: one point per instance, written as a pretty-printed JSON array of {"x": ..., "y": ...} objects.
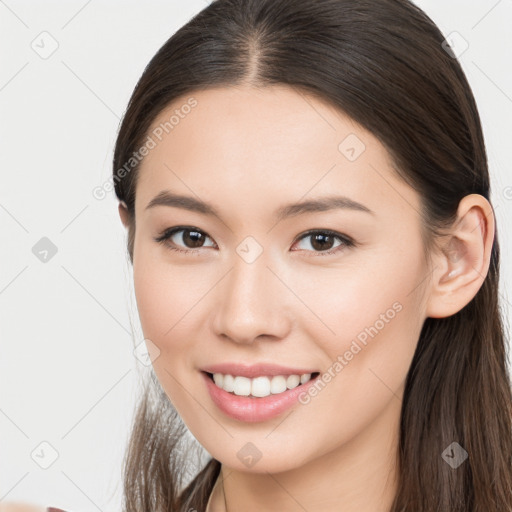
[
  {"x": 322, "y": 241},
  {"x": 189, "y": 237},
  {"x": 192, "y": 239}
]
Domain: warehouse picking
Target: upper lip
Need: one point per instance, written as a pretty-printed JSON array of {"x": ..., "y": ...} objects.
[{"x": 255, "y": 370}]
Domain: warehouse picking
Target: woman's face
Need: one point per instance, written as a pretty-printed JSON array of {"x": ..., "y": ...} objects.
[{"x": 255, "y": 288}]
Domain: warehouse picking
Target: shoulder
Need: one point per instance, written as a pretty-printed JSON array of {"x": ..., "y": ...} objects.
[{"x": 22, "y": 507}]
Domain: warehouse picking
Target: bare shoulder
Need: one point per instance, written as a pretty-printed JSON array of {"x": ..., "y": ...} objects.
[{"x": 20, "y": 507}]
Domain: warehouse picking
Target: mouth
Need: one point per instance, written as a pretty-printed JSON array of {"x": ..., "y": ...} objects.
[
  {"x": 260, "y": 398},
  {"x": 259, "y": 387}
]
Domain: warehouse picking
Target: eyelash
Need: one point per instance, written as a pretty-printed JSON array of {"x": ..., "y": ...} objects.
[{"x": 163, "y": 238}]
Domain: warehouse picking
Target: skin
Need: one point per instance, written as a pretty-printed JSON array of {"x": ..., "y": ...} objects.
[
  {"x": 248, "y": 152},
  {"x": 21, "y": 507}
]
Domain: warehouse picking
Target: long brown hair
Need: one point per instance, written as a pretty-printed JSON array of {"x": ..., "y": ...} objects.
[{"x": 384, "y": 64}]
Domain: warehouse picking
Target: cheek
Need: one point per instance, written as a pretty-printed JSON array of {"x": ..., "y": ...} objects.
[
  {"x": 164, "y": 303},
  {"x": 376, "y": 322},
  {"x": 160, "y": 288},
  {"x": 369, "y": 311},
  {"x": 170, "y": 298},
  {"x": 154, "y": 294}
]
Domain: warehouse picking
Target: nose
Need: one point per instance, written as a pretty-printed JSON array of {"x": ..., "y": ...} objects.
[{"x": 252, "y": 303}]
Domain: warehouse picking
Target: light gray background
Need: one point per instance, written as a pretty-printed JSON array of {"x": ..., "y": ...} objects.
[{"x": 68, "y": 373}]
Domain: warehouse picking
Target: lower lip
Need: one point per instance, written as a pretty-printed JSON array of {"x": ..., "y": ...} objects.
[{"x": 254, "y": 409}]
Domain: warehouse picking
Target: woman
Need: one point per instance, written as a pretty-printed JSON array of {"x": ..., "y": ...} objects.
[{"x": 316, "y": 267}]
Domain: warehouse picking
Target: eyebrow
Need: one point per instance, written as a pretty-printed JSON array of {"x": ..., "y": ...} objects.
[{"x": 167, "y": 198}]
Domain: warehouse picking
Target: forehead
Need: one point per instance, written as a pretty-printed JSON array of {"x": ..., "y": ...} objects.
[{"x": 273, "y": 143}]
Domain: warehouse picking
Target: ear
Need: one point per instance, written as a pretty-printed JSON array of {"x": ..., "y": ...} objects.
[
  {"x": 123, "y": 213},
  {"x": 462, "y": 265}
]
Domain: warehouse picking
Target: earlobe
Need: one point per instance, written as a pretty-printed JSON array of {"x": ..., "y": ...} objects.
[
  {"x": 123, "y": 213},
  {"x": 464, "y": 261}
]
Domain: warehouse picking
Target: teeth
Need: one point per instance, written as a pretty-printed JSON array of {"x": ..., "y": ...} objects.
[{"x": 259, "y": 386}]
